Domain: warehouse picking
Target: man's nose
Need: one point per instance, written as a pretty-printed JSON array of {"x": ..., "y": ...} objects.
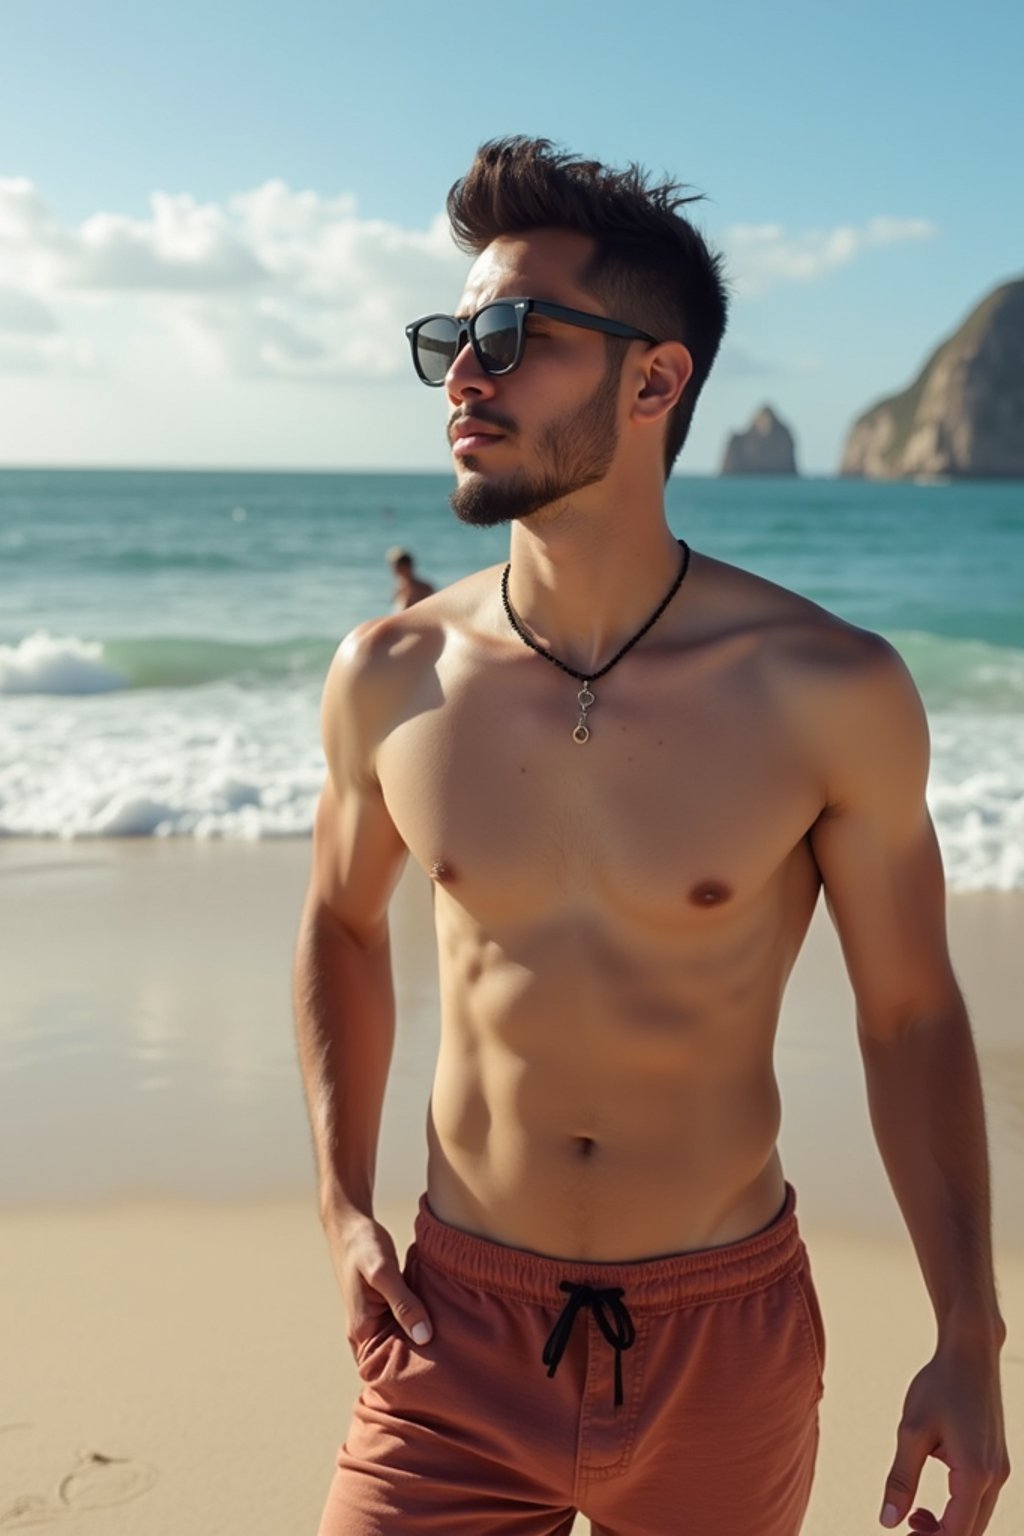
[{"x": 465, "y": 378}]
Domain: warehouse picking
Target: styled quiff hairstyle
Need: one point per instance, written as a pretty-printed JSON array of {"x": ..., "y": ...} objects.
[{"x": 650, "y": 267}]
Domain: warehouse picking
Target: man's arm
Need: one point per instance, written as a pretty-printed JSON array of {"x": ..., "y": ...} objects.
[
  {"x": 877, "y": 853},
  {"x": 343, "y": 991}
]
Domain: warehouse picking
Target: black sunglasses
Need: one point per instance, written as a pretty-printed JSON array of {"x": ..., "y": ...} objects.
[{"x": 497, "y": 333}]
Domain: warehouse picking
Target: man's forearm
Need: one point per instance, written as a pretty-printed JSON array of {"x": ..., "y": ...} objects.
[
  {"x": 926, "y": 1107},
  {"x": 345, "y": 1028}
]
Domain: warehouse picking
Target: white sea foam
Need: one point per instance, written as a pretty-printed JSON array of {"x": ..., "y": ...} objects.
[
  {"x": 963, "y": 674},
  {"x": 212, "y": 762},
  {"x": 976, "y": 796},
  {"x": 45, "y": 663}
]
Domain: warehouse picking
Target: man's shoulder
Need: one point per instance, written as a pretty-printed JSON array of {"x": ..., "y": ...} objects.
[
  {"x": 844, "y": 691},
  {"x": 382, "y": 659},
  {"x": 794, "y": 634},
  {"x": 838, "y": 687},
  {"x": 841, "y": 692}
]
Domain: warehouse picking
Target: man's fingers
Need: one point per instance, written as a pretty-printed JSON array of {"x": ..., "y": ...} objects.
[
  {"x": 408, "y": 1309},
  {"x": 967, "y": 1495},
  {"x": 968, "y": 1512},
  {"x": 988, "y": 1504},
  {"x": 901, "y": 1485},
  {"x": 972, "y": 1498},
  {"x": 412, "y": 1315}
]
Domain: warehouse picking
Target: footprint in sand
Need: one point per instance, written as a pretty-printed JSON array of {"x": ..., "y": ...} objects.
[
  {"x": 30, "y": 1510},
  {"x": 97, "y": 1482},
  {"x": 100, "y": 1481}
]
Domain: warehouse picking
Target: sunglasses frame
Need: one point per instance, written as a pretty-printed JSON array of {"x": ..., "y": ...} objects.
[{"x": 466, "y": 331}]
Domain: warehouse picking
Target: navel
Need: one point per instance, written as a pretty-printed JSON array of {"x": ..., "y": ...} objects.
[
  {"x": 584, "y": 1146},
  {"x": 709, "y": 893}
]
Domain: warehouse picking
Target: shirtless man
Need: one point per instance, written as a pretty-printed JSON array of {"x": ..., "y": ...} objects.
[
  {"x": 608, "y": 1307},
  {"x": 409, "y": 587}
]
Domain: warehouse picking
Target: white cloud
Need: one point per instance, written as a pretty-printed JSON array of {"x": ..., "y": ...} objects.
[
  {"x": 184, "y": 246},
  {"x": 23, "y": 314},
  {"x": 737, "y": 361},
  {"x": 67, "y": 356},
  {"x": 286, "y": 338},
  {"x": 275, "y": 283},
  {"x": 24, "y": 217},
  {"x": 762, "y": 256},
  {"x": 33, "y": 246}
]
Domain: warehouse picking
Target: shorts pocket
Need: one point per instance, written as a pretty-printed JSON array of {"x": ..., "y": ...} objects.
[
  {"x": 371, "y": 1336},
  {"x": 813, "y": 1323}
]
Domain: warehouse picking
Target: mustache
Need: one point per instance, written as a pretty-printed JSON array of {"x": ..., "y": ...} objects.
[{"x": 485, "y": 418}]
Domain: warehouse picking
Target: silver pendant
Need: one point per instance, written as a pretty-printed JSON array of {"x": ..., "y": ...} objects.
[{"x": 584, "y": 699}]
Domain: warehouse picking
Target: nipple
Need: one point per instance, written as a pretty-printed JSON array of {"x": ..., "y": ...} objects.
[
  {"x": 440, "y": 871},
  {"x": 709, "y": 893}
]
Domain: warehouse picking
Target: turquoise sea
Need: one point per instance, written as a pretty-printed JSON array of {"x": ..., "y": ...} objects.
[{"x": 164, "y": 636}]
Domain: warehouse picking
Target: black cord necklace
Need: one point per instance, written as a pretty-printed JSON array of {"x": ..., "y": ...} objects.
[{"x": 585, "y": 698}]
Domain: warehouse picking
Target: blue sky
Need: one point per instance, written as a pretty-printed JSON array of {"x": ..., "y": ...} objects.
[{"x": 214, "y": 219}]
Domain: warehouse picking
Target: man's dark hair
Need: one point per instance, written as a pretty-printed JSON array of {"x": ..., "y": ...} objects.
[{"x": 650, "y": 266}]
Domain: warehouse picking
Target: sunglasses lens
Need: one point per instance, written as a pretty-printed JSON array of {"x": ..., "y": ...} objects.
[
  {"x": 436, "y": 341},
  {"x": 497, "y": 337}
]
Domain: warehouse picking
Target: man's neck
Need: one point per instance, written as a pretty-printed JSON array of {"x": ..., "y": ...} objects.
[{"x": 583, "y": 587}]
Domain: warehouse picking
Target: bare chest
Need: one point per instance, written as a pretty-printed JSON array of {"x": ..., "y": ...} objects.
[{"x": 689, "y": 794}]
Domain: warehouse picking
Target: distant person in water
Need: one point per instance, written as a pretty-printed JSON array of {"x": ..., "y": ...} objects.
[{"x": 409, "y": 588}]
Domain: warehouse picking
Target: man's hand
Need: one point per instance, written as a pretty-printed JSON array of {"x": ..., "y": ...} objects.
[
  {"x": 953, "y": 1411},
  {"x": 370, "y": 1279}
]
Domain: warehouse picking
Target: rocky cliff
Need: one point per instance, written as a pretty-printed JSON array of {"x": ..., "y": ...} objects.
[
  {"x": 765, "y": 448},
  {"x": 963, "y": 416}
]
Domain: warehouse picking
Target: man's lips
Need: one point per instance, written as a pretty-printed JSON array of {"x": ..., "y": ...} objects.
[
  {"x": 474, "y": 443},
  {"x": 469, "y": 434}
]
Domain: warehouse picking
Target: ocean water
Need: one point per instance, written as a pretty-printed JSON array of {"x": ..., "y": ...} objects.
[{"x": 164, "y": 636}]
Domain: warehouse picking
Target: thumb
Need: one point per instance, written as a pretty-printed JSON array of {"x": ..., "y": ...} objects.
[
  {"x": 407, "y": 1308},
  {"x": 901, "y": 1484}
]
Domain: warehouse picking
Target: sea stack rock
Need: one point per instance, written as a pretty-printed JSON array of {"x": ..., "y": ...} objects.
[
  {"x": 963, "y": 416},
  {"x": 765, "y": 448}
]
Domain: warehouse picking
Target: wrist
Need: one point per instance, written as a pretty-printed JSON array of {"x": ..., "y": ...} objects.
[
  {"x": 338, "y": 1211},
  {"x": 978, "y": 1327}
]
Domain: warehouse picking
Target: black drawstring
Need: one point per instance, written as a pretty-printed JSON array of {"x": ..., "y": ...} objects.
[{"x": 600, "y": 1303}]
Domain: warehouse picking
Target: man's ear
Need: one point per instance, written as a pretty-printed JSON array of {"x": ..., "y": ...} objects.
[{"x": 667, "y": 369}]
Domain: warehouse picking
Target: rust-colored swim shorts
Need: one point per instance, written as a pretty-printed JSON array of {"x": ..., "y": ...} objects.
[{"x": 673, "y": 1395}]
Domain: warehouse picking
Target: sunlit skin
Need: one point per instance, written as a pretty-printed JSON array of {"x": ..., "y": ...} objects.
[{"x": 616, "y": 922}]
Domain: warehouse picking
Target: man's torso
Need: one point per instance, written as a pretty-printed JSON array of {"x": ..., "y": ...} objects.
[{"x": 616, "y": 921}]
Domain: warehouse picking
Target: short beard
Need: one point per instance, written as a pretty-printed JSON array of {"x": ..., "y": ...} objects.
[{"x": 575, "y": 451}]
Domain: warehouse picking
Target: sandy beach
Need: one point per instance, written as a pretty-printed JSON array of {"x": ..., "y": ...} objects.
[{"x": 174, "y": 1358}]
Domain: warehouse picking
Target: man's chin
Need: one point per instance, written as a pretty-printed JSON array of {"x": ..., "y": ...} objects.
[
  {"x": 478, "y": 510},
  {"x": 486, "y": 503}
]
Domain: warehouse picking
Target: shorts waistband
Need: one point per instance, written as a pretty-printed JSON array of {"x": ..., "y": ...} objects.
[{"x": 674, "y": 1280}]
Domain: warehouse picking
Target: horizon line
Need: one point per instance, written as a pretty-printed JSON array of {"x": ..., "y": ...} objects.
[{"x": 313, "y": 469}]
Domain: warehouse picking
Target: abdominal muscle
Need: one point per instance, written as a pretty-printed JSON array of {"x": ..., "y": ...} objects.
[{"x": 594, "y": 1119}]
